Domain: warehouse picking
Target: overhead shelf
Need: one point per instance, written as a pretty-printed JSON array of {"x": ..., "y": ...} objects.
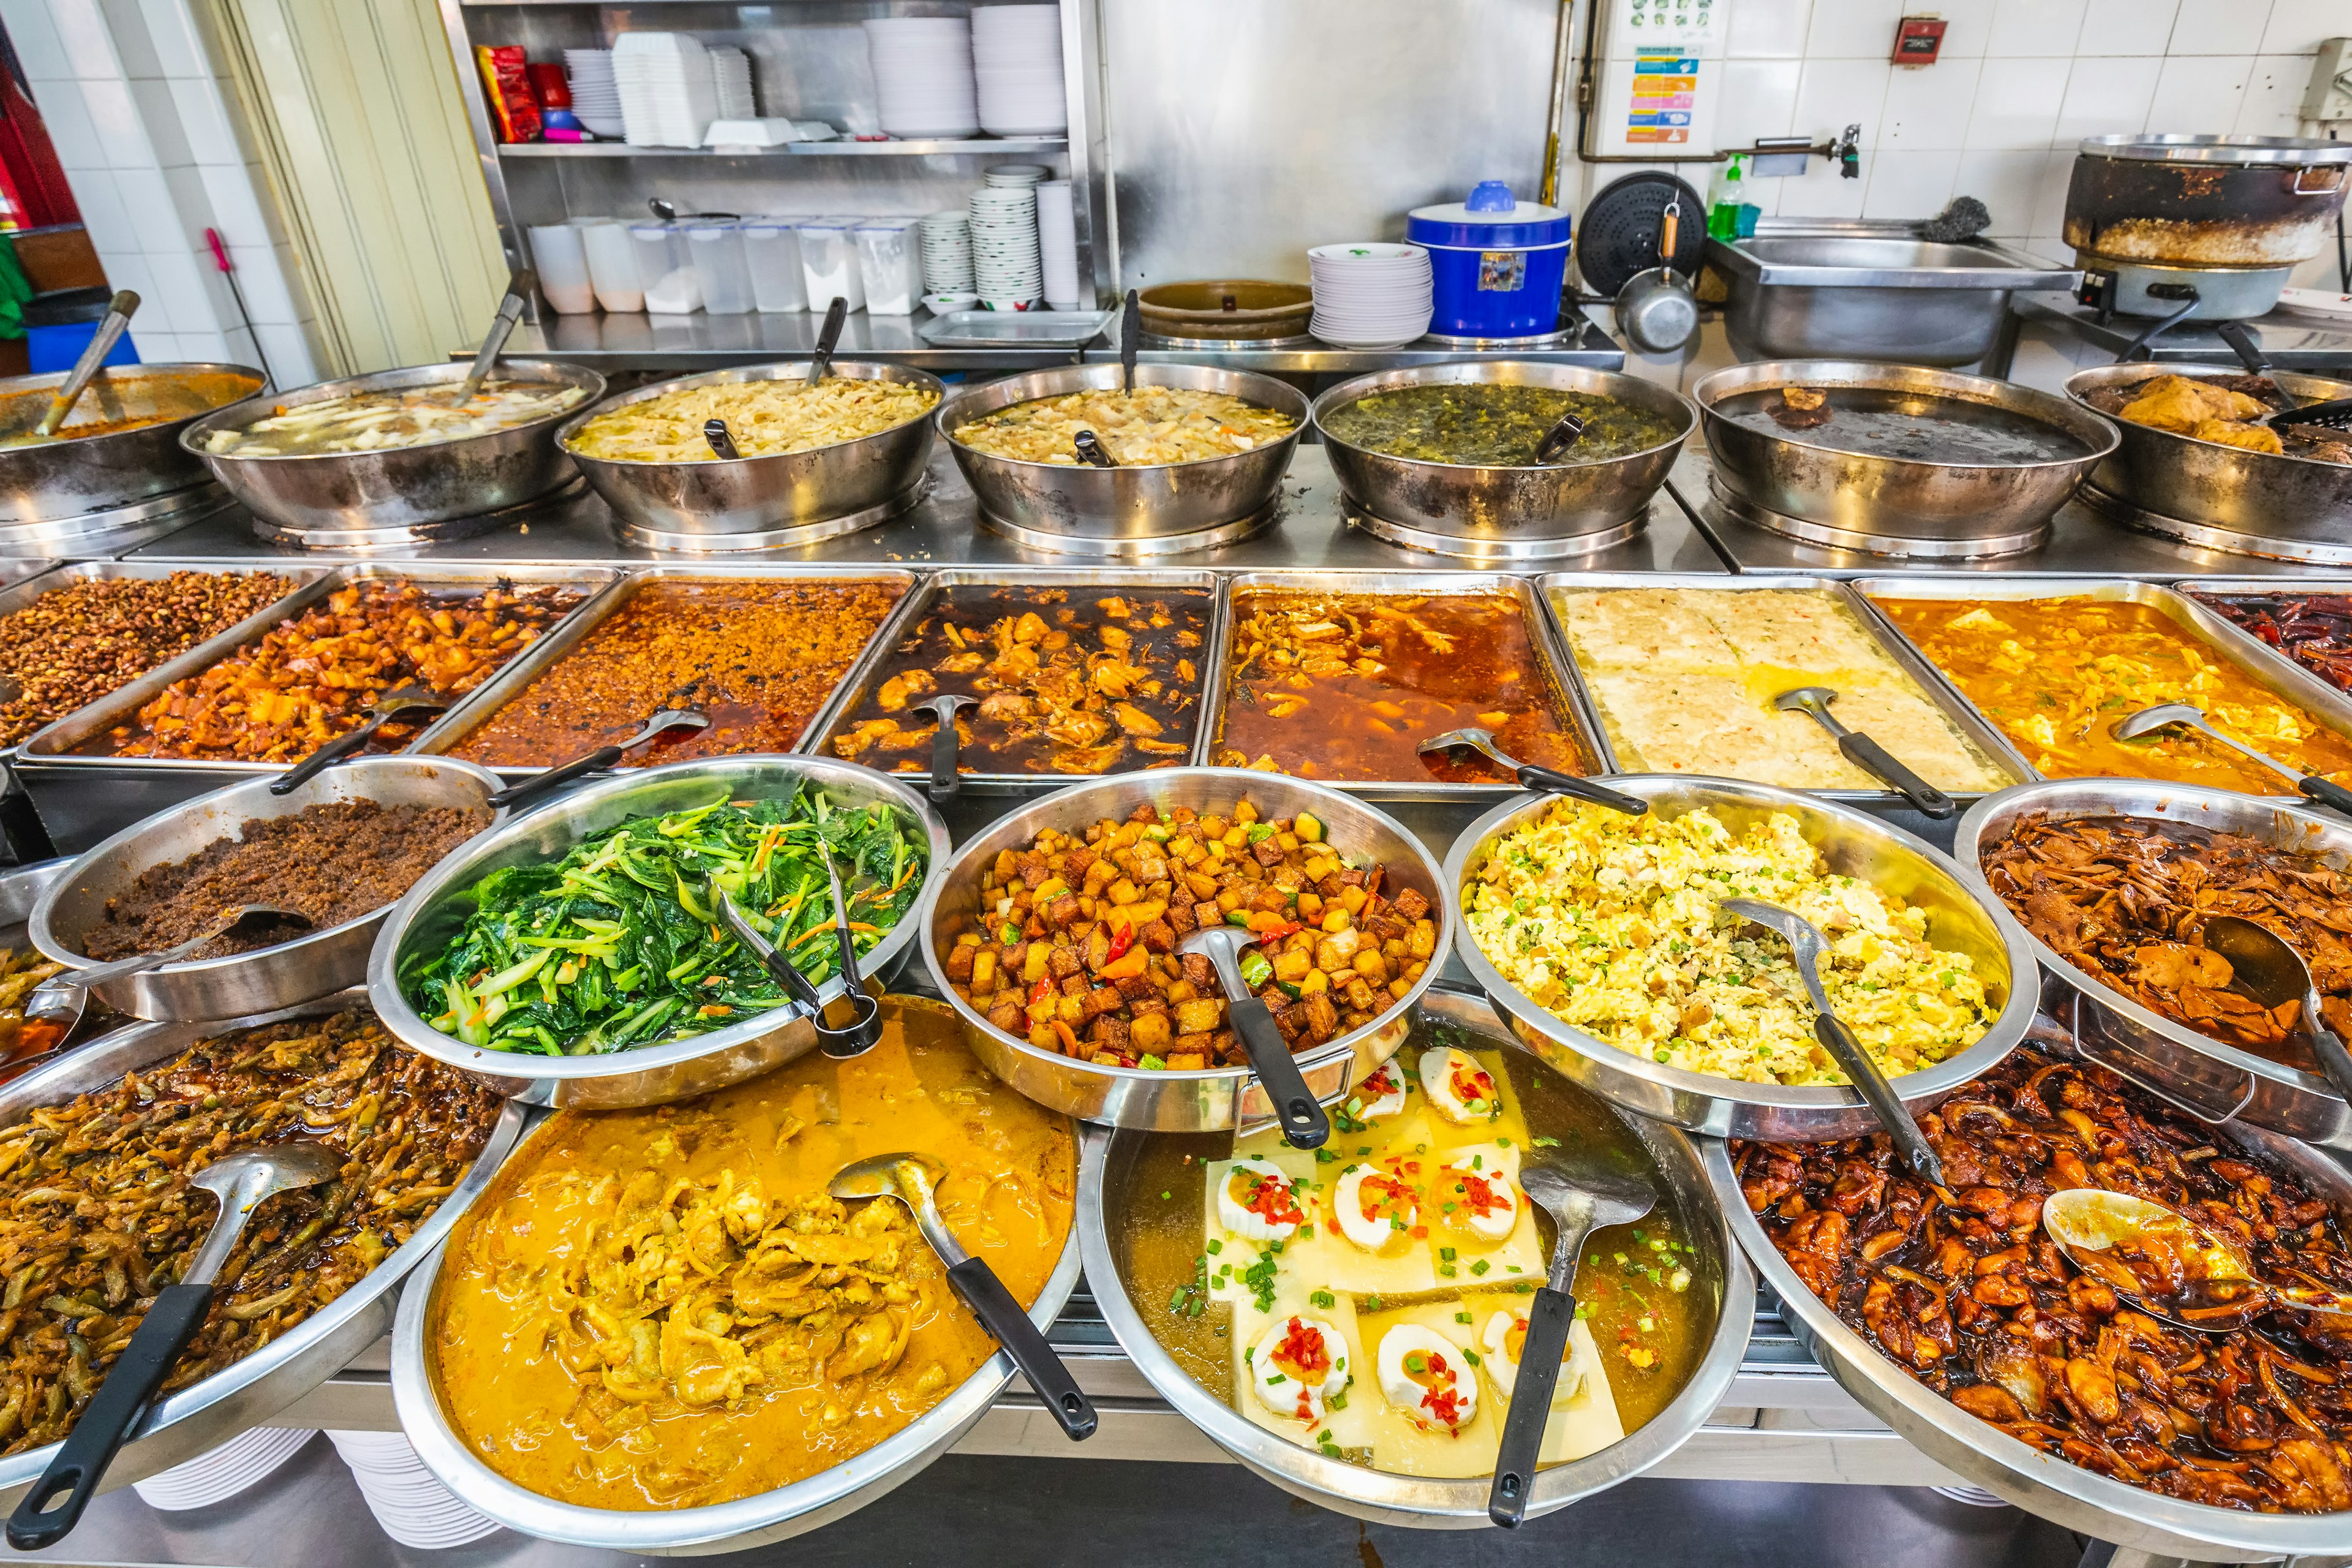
[{"x": 975, "y": 147}]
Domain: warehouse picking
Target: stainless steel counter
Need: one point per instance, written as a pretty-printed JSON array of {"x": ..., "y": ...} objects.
[{"x": 2289, "y": 338}]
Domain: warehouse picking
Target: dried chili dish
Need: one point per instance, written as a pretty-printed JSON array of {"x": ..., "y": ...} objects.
[{"x": 2313, "y": 629}]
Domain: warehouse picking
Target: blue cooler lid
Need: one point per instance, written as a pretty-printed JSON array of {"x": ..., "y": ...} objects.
[{"x": 1491, "y": 219}]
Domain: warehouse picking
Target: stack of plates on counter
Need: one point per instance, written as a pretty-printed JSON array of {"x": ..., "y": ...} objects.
[
  {"x": 1016, "y": 51},
  {"x": 410, "y": 1506},
  {"x": 731, "y": 84},
  {"x": 1014, "y": 176},
  {"x": 220, "y": 1475},
  {"x": 1058, "y": 245},
  {"x": 1005, "y": 262},
  {"x": 1371, "y": 296},
  {"x": 667, "y": 97},
  {"x": 922, "y": 71},
  {"x": 946, "y": 254},
  {"x": 595, "y": 96}
]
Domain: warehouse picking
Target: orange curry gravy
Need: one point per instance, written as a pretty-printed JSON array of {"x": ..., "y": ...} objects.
[
  {"x": 661, "y": 1308},
  {"x": 1347, "y": 686},
  {"x": 2056, "y": 674}
]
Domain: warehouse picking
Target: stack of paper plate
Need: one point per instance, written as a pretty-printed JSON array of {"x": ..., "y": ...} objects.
[
  {"x": 667, "y": 96},
  {"x": 922, "y": 71},
  {"x": 595, "y": 96},
  {"x": 410, "y": 1506},
  {"x": 1016, "y": 51},
  {"x": 731, "y": 84},
  {"x": 1371, "y": 296},
  {"x": 220, "y": 1475}
]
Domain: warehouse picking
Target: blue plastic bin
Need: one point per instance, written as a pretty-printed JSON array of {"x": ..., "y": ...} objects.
[{"x": 57, "y": 348}]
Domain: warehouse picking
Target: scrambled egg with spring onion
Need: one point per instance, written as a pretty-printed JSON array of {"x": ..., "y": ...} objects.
[
  {"x": 764, "y": 418},
  {"x": 1611, "y": 923}
]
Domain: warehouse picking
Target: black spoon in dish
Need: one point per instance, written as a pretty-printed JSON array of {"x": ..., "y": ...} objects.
[
  {"x": 1547, "y": 781},
  {"x": 1813, "y": 702},
  {"x": 602, "y": 757},
  {"x": 398, "y": 703},
  {"x": 828, "y": 338}
]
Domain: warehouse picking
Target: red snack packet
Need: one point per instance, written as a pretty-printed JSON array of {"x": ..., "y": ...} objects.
[{"x": 508, "y": 87}]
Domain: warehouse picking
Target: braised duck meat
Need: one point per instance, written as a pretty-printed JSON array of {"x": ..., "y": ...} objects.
[{"x": 2313, "y": 629}]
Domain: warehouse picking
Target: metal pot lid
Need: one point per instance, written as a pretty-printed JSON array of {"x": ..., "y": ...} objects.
[
  {"x": 2161, "y": 148},
  {"x": 1491, "y": 217}
]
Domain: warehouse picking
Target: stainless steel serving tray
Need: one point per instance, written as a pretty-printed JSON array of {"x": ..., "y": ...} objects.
[
  {"x": 1931, "y": 685},
  {"x": 870, "y": 673},
  {"x": 2288, "y": 587},
  {"x": 576, "y": 628},
  {"x": 1211, "y": 1098},
  {"x": 1960, "y": 918},
  {"x": 1380, "y": 1496},
  {"x": 198, "y": 1418},
  {"x": 1543, "y": 637},
  {"x": 436, "y": 908}
]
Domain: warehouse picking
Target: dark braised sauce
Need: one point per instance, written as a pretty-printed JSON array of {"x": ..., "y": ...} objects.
[
  {"x": 1494, "y": 426},
  {"x": 2313, "y": 629},
  {"x": 1881, "y": 422}
]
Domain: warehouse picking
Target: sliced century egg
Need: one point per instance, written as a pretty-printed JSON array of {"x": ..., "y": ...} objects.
[
  {"x": 1299, "y": 1364},
  {"x": 1504, "y": 1333},
  {"x": 1257, "y": 1201},
  {"x": 1367, "y": 1205},
  {"x": 1425, "y": 1374},
  {"x": 1382, "y": 1094},
  {"x": 1462, "y": 1091},
  {"x": 1482, "y": 1198}
]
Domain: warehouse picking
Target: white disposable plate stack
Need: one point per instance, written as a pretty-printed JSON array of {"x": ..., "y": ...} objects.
[
  {"x": 409, "y": 1505},
  {"x": 1371, "y": 296},
  {"x": 1012, "y": 176},
  {"x": 1058, "y": 245},
  {"x": 922, "y": 72},
  {"x": 667, "y": 96},
  {"x": 1016, "y": 53},
  {"x": 1005, "y": 269},
  {"x": 946, "y": 254},
  {"x": 731, "y": 84},
  {"x": 220, "y": 1475},
  {"x": 595, "y": 95}
]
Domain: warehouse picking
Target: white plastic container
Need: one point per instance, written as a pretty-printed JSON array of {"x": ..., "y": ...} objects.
[
  {"x": 563, "y": 264},
  {"x": 717, "y": 249},
  {"x": 663, "y": 267},
  {"x": 890, "y": 262},
  {"x": 829, "y": 262},
  {"x": 613, "y": 266},
  {"x": 771, "y": 254}
]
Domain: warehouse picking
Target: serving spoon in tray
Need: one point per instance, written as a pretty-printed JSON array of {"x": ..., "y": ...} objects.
[
  {"x": 1304, "y": 1124},
  {"x": 2170, "y": 1265},
  {"x": 2148, "y": 720},
  {"x": 399, "y": 702},
  {"x": 2266, "y": 967},
  {"x": 57, "y": 1003},
  {"x": 946, "y": 745},
  {"x": 600, "y": 758},
  {"x": 1548, "y": 781},
  {"x": 1813, "y": 702}
]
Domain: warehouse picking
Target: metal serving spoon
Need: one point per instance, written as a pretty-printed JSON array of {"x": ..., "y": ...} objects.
[
  {"x": 600, "y": 758},
  {"x": 909, "y": 1178},
  {"x": 1579, "y": 1206},
  {"x": 1813, "y": 702},
  {"x": 502, "y": 326},
  {"x": 1091, "y": 451},
  {"x": 1807, "y": 946},
  {"x": 850, "y": 1039},
  {"x": 2132, "y": 726},
  {"x": 947, "y": 783},
  {"x": 1550, "y": 781},
  {"x": 2267, "y": 968},
  {"x": 102, "y": 343},
  {"x": 58, "y": 1003},
  {"x": 2218, "y": 1288},
  {"x": 1304, "y": 1124},
  {"x": 241, "y": 1181},
  {"x": 393, "y": 704},
  {"x": 828, "y": 338}
]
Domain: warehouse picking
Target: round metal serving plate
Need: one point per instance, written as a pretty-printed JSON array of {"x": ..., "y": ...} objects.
[
  {"x": 400, "y": 487},
  {"x": 1460, "y": 548},
  {"x": 1123, "y": 510},
  {"x": 1970, "y": 508},
  {"x": 1381, "y": 1496},
  {"x": 1961, "y": 918},
  {"x": 1124, "y": 547},
  {"x": 402, "y": 536},
  {"x": 1487, "y": 345},
  {"x": 829, "y": 1495},
  {"x": 436, "y": 908},
  {"x": 65, "y": 481},
  {"x": 279, "y": 976},
  {"x": 2204, "y": 1076},
  {"x": 808, "y": 495},
  {"x": 2043, "y": 1484},
  {"x": 791, "y": 538},
  {"x": 1211, "y": 1098},
  {"x": 203, "y": 1415},
  {"x": 1894, "y": 547},
  {"x": 1509, "y": 513}
]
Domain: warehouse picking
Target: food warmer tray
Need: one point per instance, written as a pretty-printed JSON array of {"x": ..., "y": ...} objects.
[
  {"x": 870, "y": 673},
  {"x": 1014, "y": 329},
  {"x": 248, "y": 1393},
  {"x": 84, "y": 798}
]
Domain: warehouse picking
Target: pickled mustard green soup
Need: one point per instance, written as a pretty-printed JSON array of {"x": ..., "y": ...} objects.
[{"x": 1494, "y": 426}]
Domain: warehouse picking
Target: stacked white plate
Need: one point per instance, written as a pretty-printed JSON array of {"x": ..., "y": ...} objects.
[
  {"x": 1371, "y": 296},
  {"x": 731, "y": 84},
  {"x": 220, "y": 1475},
  {"x": 1016, "y": 54},
  {"x": 1058, "y": 245},
  {"x": 667, "y": 97},
  {"x": 1005, "y": 268},
  {"x": 595, "y": 96},
  {"x": 922, "y": 72},
  {"x": 946, "y": 254},
  {"x": 1014, "y": 176},
  {"x": 409, "y": 1505}
]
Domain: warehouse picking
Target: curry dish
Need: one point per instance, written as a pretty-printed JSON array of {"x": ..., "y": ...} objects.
[
  {"x": 2055, "y": 675},
  {"x": 662, "y": 1307}
]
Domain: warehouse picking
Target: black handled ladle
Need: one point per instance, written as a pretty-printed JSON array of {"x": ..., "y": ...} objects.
[
  {"x": 2132, "y": 726},
  {"x": 1304, "y": 1124},
  {"x": 1548, "y": 781},
  {"x": 947, "y": 781},
  {"x": 1865, "y": 754},
  {"x": 722, "y": 441},
  {"x": 1130, "y": 339},
  {"x": 828, "y": 338},
  {"x": 602, "y": 757},
  {"x": 1091, "y": 451},
  {"x": 396, "y": 703}
]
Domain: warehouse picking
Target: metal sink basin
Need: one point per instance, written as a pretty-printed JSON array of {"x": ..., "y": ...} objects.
[{"x": 1883, "y": 294}]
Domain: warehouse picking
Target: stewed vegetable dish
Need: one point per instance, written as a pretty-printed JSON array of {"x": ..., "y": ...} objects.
[{"x": 1494, "y": 424}]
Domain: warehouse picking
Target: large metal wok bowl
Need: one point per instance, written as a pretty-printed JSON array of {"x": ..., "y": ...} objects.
[
  {"x": 1097, "y": 510},
  {"x": 2283, "y": 505},
  {"x": 1211, "y": 1098},
  {"x": 205, "y": 1415},
  {"x": 717, "y": 503},
  {"x": 1107, "y": 1192},
  {"x": 2194, "y": 1072},
  {"x": 312, "y": 965},
  {"x": 1895, "y": 504},
  {"x": 1566, "y": 508},
  {"x": 77, "y": 474},
  {"x": 1960, "y": 918},
  {"x": 364, "y": 494},
  {"x": 436, "y": 909}
]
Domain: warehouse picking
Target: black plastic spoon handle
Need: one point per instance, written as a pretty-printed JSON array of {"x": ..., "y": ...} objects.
[
  {"x": 1548, "y": 1317},
  {"x": 1304, "y": 1124},
  {"x": 554, "y": 778},
  {"x": 2242, "y": 343},
  {"x": 857, "y": 1036},
  {"x": 1551, "y": 781},
  {"x": 1879, "y": 764},
  {"x": 1130, "y": 338},
  {"x": 828, "y": 338},
  {"x": 2327, "y": 792},
  {"x": 1887, "y": 1105},
  {"x": 722, "y": 441},
  {"x": 41, "y": 1520},
  {"x": 327, "y": 756},
  {"x": 946, "y": 781},
  {"x": 993, "y": 1305},
  {"x": 1091, "y": 451}
]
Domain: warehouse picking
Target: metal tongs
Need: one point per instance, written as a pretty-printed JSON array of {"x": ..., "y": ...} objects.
[{"x": 865, "y": 1027}]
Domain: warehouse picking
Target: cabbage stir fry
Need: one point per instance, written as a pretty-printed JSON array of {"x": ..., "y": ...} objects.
[
  {"x": 384, "y": 421},
  {"x": 618, "y": 945}
]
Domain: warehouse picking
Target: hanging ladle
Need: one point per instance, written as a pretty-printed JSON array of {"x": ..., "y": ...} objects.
[
  {"x": 397, "y": 703},
  {"x": 1304, "y": 1124},
  {"x": 2169, "y": 1264},
  {"x": 2265, "y": 967},
  {"x": 502, "y": 326},
  {"x": 1548, "y": 781},
  {"x": 2132, "y": 726},
  {"x": 602, "y": 757},
  {"x": 1813, "y": 702},
  {"x": 102, "y": 343},
  {"x": 57, "y": 1003}
]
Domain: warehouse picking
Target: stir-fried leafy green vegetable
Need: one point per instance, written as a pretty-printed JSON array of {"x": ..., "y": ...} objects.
[{"x": 617, "y": 944}]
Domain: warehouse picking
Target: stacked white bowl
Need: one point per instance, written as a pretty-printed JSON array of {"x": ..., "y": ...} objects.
[
  {"x": 1371, "y": 295},
  {"x": 922, "y": 71},
  {"x": 1013, "y": 177},
  {"x": 946, "y": 253},
  {"x": 1016, "y": 53},
  {"x": 1004, "y": 263},
  {"x": 731, "y": 84},
  {"x": 222, "y": 1473},
  {"x": 595, "y": 96},
  {"x": 409, "y": 1504},
  {"x": 667, "y": 96},
  {"x": 1058, "y": 245}
]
